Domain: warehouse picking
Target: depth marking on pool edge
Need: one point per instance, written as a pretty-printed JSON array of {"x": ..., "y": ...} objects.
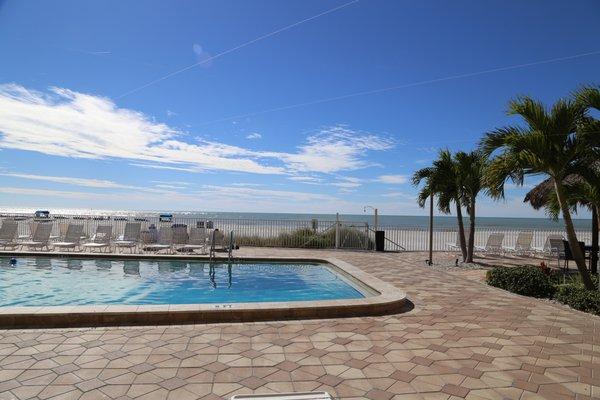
[{"x": 223, "y": 305}]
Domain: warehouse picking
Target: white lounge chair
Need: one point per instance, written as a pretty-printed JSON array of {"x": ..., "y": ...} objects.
[
  {"x": 101, "y": 239},
  {"x": 522, "y": 245},
  {"x": 180, "y": 235},
  {"x": 165, "y": 241},
  {"x": 131, "y": 236},
  {"x": 197, "y": 241},
  {"x": 493, "y": 244},
  {"x": 72, "y": 238},
  {"x": 456, "y": 246},
  {"x": 547, "y": 248},
  {"x": 8, "y": 234},
  {"x": 40, "y": 238}
]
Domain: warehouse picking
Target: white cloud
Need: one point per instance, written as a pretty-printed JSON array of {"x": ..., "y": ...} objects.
[
  {"x": 167, "y": 167},
  {"x": 66, "y": 123},
  {"x": 335, "y": 149},
  {"x": 312, "y": 180},
  {"x": 347, "y": 182},
  {"x": 392, "y": 179},
  {"x": 171, "y": 113},
  {"x": 243, "y": 184},
  {"x": 167, "y": 186},
  {"x": 401, "y": 195},
  {"x": 178, "y": 183},
  {"x": 95, "y": 183},
  {"x": 254, "y": 194},
  {"x": 86, "y": 182},
  {"x": 254, "y": 135},
  {"x": 49, "y": 192}
]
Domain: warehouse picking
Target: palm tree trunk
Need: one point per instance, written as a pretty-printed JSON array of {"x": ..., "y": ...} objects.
[
  {"x": 571, "y": 236},
  {"x": 594, "y": 261},
  {"x": 471, "y": 231},
  {"x": 461, "y": 231}
]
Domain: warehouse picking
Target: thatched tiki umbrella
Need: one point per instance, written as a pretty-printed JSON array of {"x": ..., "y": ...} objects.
[{"x": 539, "y": 197}]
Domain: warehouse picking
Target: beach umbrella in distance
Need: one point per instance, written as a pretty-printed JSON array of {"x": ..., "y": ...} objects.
[{"x": 542, "y": 195}]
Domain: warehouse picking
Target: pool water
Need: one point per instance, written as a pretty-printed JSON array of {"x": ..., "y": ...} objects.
[{"x": 40, "y": 281}]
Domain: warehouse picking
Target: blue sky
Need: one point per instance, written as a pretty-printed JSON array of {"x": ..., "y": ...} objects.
[{"x": 99, "y": 110}]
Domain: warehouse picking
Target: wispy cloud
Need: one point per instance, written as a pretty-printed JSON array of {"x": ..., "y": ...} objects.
[
  {"x": 392, "y": 179},
  {"x": 84, "y": 182},
  {"x": 66, "y": 123},
  {"x": 244, "y": 184},
  {"x": 179, "y": 183},
  {"x": 335, "y": 149},
  {"x": 401, "y": 195},
  {"x": 313, "y": 180},
  {"x": 94, "y": 183},
  {"x": 254, "y": 136},
  {"x": 253, "y": 193}
]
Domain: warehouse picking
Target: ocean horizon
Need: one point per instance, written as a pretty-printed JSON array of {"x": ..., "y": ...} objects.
[{"x": 400, "y": 221}]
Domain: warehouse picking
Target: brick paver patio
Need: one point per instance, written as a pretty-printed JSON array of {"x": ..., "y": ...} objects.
[{"x": 461, "y": 340}]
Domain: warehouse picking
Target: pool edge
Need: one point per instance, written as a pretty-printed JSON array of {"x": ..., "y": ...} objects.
[{"x": 389, "y": 300}]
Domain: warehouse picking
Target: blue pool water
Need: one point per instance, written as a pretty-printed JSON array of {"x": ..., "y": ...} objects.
[{"x": 38, "y": 281}]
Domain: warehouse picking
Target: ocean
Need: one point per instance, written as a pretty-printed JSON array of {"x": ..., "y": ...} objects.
[{"x": 400, "y": 221}]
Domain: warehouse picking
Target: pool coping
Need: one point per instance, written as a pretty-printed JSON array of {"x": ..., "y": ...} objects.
[{"x": 386, "y": 299}]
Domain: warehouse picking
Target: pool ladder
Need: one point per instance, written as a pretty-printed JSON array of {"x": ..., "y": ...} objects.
[{"x": 212, "y": 250}]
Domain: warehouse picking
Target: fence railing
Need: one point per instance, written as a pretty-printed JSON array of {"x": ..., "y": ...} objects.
[
  {"x": 416, "y": 238},
  {"x": 248, "y": 232},
  {"x": 294, "y": 233}
]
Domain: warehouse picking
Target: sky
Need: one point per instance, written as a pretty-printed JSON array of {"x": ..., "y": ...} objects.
[{"x": 300, "y": 106}]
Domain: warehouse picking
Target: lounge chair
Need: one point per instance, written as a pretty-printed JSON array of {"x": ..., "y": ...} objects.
[
  {"x": 493, "y": 244},
  {"x": 72, "y": 237},
  {"x": 522, "y": 245},
  {"x": 165, "y": 241},
  {"x": 131, "y": 236},
  {"x": 8, "y": 234},
  {"x": 40, "y": 238},
  {"x": 456, "y": 246},
  {"x": 101, "y": 239},
  {"x": 180, "y": 235},
  {"x": 547, "y": 248},
  {"x": 197, "y": 241},
  {"x": 27, "y": 237}
]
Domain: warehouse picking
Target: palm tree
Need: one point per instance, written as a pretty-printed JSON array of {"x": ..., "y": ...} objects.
[
  {"x": 470, "y": 178},
  {"x": 583, "y": 187},
  {"x": 550, "y": 144},
  {"x": 441, "y": 181},
  {"x": 589, "y": 97}
]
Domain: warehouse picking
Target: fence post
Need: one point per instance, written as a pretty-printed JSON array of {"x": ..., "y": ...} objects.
[
  {"x": 366, "y": 236},
  {"x": 337, "y": 230}
]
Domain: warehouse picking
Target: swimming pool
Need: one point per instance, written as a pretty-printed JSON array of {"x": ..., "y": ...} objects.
[{"x": 45, "y": 281}]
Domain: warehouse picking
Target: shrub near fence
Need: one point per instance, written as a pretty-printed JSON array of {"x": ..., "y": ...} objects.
[{"x": 308, "y": 238}]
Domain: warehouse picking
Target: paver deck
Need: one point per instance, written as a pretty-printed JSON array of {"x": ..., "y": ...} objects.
[{"x": 461, "y": 340}]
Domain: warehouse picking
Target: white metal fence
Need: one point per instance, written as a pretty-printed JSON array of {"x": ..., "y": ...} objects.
[
  {"x": 295, "y": 233},
  {"x": 417, "y": 238}
]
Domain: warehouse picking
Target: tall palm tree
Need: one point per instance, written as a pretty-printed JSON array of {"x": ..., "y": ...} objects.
[
  {"x": 549, "y": 144},
  {"x": 583, "y": 186},
  {"x": 470, "y": 178},
  {"x": 589, "y": 97},
  {"x": 441, "y": 181}
]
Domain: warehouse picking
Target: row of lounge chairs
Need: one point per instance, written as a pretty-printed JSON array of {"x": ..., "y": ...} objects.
[
  {"x": 170, "y": 239},
  {"x": 523, "y": 245}
]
